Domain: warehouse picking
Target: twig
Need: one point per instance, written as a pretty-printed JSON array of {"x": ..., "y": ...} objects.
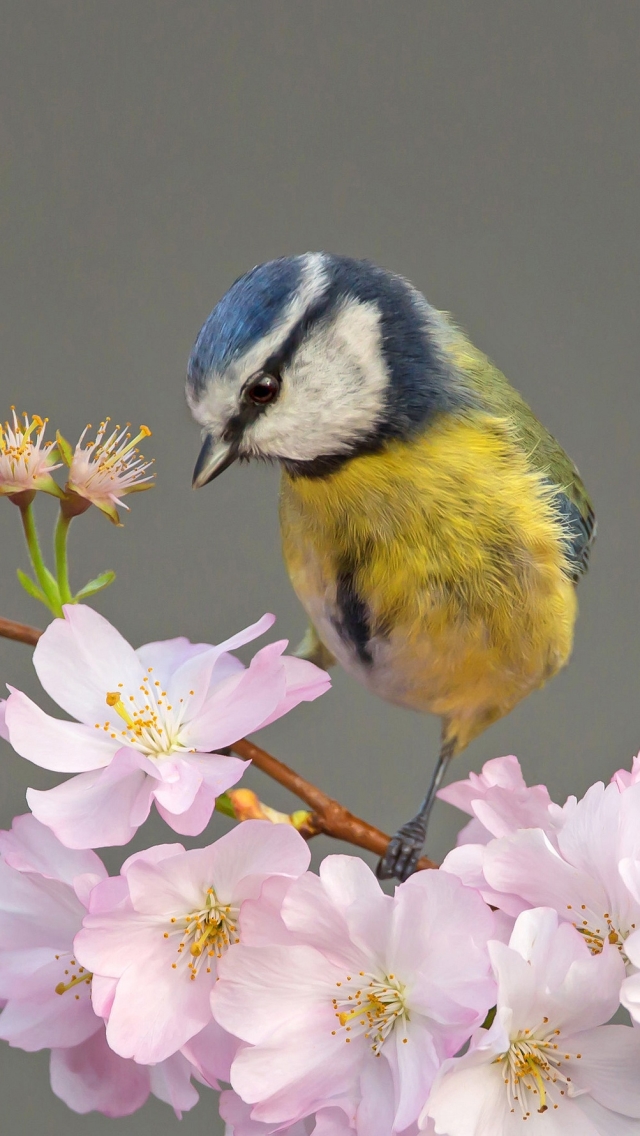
[
  {"x": 9, "y": 629},
  {"x": 327, "y": 816}
]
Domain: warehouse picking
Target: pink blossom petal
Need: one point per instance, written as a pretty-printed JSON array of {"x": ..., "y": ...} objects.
[
  {"x": 311, "y": 918},
  {"x": 31, "y": 847},
  {"x": 414, "y": 1067},
  {"x": 193, "y": 679},
  {"x": 211, "y": 1052},
  {"x": 467, "y": 863},
  {"x": 297, "y": 1070},
  {"x": 178, "y": 784},
  {"x": 109, "y": 942},
  {"x": 375, "y": 1112},
  {"x": 217, "y": 770},
  {"x": 251, "y": 979},
  {"x": 80, "y": 658},
  {"x": 304, "y": 683},
  {"x": 91, "y": 1077},
  {"x": 151, "y": 1028},
  {"x": 554, "y": 883},
  {"x": 166, "y": 655},
  {"x": 608, "y": 1067},
  {"x": 604, "y": 1121},
  {"x": 455, "y": 984},
  {"x": 630, "y": 992},
  {"x": 65, "y": 747},
  {"x": 171, "y": 1083},
  {"x": 502, "y": 771},
  {"x": 254, "y": 849},
  {"x": 195, "y": 819},
  {"x": 260, "y": 919},
  {"x": 49, "y": 1020},
  {"x": 240, "y": 704},
  {"x": 36, "y": 912},
  {"x": 94, "y": 809},
  {"x": 103, "y": 992},
  {"x": 473, "y": 1102}
]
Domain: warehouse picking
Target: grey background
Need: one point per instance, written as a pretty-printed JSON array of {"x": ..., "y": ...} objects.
[{"x": 151, "y": 152}]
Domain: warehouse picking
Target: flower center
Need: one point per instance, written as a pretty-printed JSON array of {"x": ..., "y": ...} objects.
[
  {"x": 206, "y": 934},
  {"x": 77, "y": 977},
  {"x": 112, "y": 464},
  {"x": 20, "y": 451},
  {"x": 598, "y": 928},
  {"x": 372, "y": 1008},
  {"x": 152, "y": 723},
  {"x": 532, "y": 1070}
]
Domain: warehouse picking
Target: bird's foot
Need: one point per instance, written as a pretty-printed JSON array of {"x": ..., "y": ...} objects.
[{"x": 403, "y": 852}]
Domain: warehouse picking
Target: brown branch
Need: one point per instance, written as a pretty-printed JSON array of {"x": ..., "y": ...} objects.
[
  {"x": 327, "y": 816},
  {"x": 9, "y": 629}
]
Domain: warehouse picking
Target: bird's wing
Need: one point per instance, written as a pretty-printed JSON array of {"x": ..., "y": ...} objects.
[{"x": 543, "y": 451}]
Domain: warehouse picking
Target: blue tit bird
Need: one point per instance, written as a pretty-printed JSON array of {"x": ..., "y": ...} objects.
[{"x": 432, "y": 528}]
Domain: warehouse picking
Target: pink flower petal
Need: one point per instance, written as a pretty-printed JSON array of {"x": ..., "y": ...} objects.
[
  {"x": 240, "y": 704},
  {"x": 608, "y": 1067},
  {"x": 171, "y": 1083},
  {"x": 82, "y": 657},
  {"x": 32, "y": 847},
  {"x": 195, "y": 819},
  {"x": 304, "y": 683},
  {"x": 151, "y": 1019},
  {"x": 94, "y": 809},
  {"x": 211, "y": 1052},
  {"x": 49, "y": 1020},
  {"x": 242, "y": 858},
  {"x": 91, "y": 1077},
  {"x": 65, "y": 747}
]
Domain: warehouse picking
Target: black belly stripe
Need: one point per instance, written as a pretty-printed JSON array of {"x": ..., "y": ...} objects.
[{"x": 352, "y": 621}]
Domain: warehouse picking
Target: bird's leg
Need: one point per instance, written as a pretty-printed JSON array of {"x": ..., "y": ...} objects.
[{"x": 405, "y": 848}]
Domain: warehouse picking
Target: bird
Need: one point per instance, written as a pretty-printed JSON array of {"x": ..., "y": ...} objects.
[{"x": 432, "y": 528}]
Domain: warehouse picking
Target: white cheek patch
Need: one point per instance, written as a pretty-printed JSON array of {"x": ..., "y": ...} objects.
[
  {"x": 332, "y": 394},
  {"x": 221, "y": 399}
]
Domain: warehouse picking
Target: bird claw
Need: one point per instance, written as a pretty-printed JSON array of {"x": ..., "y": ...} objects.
[{"x": 403, "y": 852}]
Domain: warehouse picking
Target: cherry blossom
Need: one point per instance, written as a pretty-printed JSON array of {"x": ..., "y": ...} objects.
[
  {"x": 105, "y": 470},
  {"x": 44, "y": 889},
  {"x": 547, "y": 1057},
  {"x": 345, "y": 975},
  {"x": 580, "y": 877},
  {"x": 499, "y": 801},
  {"x": 26, "y": 460},
  {"x": 154, "y": 937},
  {"x": 146, "y": 722}
]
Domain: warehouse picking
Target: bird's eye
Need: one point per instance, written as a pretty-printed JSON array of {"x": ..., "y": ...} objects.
[{"x": 264, "y": 389}]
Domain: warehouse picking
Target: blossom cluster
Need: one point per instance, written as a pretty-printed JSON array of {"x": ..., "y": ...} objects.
[{"x": 473, "y": 999}]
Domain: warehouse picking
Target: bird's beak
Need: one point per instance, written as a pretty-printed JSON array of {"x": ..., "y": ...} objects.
[{"x": 214, "y": 457}]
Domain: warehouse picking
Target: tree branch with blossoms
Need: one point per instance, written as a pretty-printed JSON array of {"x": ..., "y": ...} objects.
[
  {"x": 325, "y": 815},
  {"x": 474, "y": 998}
]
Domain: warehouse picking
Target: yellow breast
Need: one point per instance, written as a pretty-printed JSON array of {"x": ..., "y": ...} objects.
[{"x": 456, "y": 552}]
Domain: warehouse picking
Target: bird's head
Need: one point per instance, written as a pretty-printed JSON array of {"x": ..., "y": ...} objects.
[{"x": 310, "y": 360}]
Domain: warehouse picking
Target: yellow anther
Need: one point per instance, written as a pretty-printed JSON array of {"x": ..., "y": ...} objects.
[{"x": 62, "y": 987}]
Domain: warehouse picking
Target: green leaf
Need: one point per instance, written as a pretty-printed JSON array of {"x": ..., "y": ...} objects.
[
  {"x": 100, "y": 582},
  {"x": 224, "y": 806},
  {"x": 31, "y": 587},
  {"x": 66, "y": 453}
]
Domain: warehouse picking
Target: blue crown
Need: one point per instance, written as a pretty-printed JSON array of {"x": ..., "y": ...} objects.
[{"x": 245, "y": 314}]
